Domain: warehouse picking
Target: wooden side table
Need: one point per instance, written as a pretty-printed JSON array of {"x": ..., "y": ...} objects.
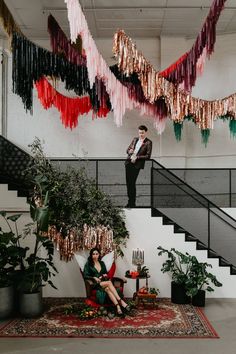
[
  {"x": 146, "y": 300},
  {"x": 137, "y": 280}
]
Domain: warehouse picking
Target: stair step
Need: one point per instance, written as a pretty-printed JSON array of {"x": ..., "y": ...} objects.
[
  {"x": 233, "y": 270},
  {"x": 167, "y": 221},
  {"x": 223, "y": 262},
  {"x": 155, "y": 212},
  {"x": 201, "y": 246},
  {"x": 178, "y": 229},
  {"x": 213, "y": 254},
  {"x": 190, "y": 237}
]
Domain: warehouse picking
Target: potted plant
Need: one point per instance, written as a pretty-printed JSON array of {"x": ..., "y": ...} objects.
[
  {"x": 36, "y": 269},
  {"x": 11, "y": 255},
  {"x": 178, "y": 264},
  {"x": 199, "y": 281},
  {"x": 75, "y": 200}
]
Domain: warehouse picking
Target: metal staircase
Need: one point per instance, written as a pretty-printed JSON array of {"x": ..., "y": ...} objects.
[{"x": 158, "y": 188}]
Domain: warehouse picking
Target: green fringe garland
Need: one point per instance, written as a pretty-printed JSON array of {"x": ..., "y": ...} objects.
[
  {"x": 178, "y": 130},
  {"x": 232, "y": 127},
  {"x": 205, "y": 136}
]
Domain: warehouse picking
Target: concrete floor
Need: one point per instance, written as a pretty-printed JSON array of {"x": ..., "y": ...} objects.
[{"x": 220, "y": 312}]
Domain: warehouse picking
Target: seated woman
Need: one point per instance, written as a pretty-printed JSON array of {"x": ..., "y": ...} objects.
[{"x": 95, "y": 269}]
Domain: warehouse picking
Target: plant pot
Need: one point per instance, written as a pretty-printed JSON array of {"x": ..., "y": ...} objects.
[
  {"x": 178, "y": 294},
  {"x": 6, "y": 302},
  {"x": 199, "y": 298},
  {"x": 31, "y": 305}
]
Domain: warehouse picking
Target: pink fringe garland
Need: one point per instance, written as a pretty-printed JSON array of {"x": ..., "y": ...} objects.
[{"x": 96, "y": 65}]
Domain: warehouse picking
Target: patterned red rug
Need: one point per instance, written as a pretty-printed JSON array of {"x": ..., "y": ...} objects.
[{"x": 167, "y": 320}]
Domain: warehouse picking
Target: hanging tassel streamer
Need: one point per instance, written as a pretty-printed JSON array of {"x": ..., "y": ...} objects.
[
  {"x": 97, "y": 66},
  {"x": 205, "y": 136},
  {"x": 76, "y": 240},
  {"x": 178, "y": 127},
  {"x": 70, "y": 108},
  {"x": 232, "y": 127},
  {"x": 31, "y": 62},
  {"x": 7, "y": 20}
]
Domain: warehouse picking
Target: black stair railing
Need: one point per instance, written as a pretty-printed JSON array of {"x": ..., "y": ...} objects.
[
  {"x": 195, "y": 214},
  {"x": 216, "y": 184}
]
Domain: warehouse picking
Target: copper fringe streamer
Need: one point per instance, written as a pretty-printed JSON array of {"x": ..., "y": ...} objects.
[
  {"x": 75, "y": 240},
  {"x": 179, "y": 103},
  {"x": 7, "y": 20},
  {"x": 184, "y": 70}
]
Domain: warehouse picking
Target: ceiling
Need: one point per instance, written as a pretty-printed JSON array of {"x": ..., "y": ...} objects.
[{"x": 139, "y": 18}]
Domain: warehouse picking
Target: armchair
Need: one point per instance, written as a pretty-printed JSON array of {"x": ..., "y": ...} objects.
[{"x": 89, "y": 284}]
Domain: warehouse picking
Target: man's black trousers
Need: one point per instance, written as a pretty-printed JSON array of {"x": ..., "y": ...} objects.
[{"x": 131, "y": 177}]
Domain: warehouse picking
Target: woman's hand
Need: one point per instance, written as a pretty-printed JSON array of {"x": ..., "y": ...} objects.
[{"x": 97, "y": 280}]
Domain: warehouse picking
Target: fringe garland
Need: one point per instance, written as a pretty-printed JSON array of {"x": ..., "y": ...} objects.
[
  {"x": 185, "y": 69},
  {"x": 75, "y": 240},
  {"x": 179, "y": 103},
  {"x": 31, "y": 62},
  {"x": 232, "y": 128},
  {"x": 61, "y": 45},
  {"x": 7, "y": 20},
  {"x": 178, "y": 127},
  {"x": 205, "y": 136},
  {"x": 70, "y": 108},
  {"x": 97, "y": 66}
]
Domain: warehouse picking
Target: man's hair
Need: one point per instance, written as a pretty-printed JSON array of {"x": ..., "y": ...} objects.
[{"x": 143, "y": 127}]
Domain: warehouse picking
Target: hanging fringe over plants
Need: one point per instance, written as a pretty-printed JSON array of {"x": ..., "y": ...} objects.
[
  {"x": 232, "y": 127},
  {"x": 7, "y": 20},
  {"x": 178, "y": 130},
  {"x": 76, "y": 240},
  {"x": 31, "y": 62},
  {"x": 205, "y": 136}
]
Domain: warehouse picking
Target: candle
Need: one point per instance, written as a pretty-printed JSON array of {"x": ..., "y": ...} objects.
[{"x": 137, "y": 256}]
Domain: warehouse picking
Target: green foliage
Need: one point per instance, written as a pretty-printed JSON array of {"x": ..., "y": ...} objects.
[
  {"x": 188, "y": 271},
  {"x": 37, "y": 270},
  {"x": 199, "y": 277},
  {"x": 144, "y": 272},
  {"x": 178, "y": 264},
  {"x": 74, "y": 198},
  {"x": 27, "y": 269},
  {"x": 155, "y": 291},
  {"x": 11, "y": 253}
]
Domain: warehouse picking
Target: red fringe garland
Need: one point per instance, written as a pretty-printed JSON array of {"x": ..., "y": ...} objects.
[
  {"x": 70, "y": 108},
  {"x": 185, "y": 68},
  {"x": 165, "y": 73}
]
